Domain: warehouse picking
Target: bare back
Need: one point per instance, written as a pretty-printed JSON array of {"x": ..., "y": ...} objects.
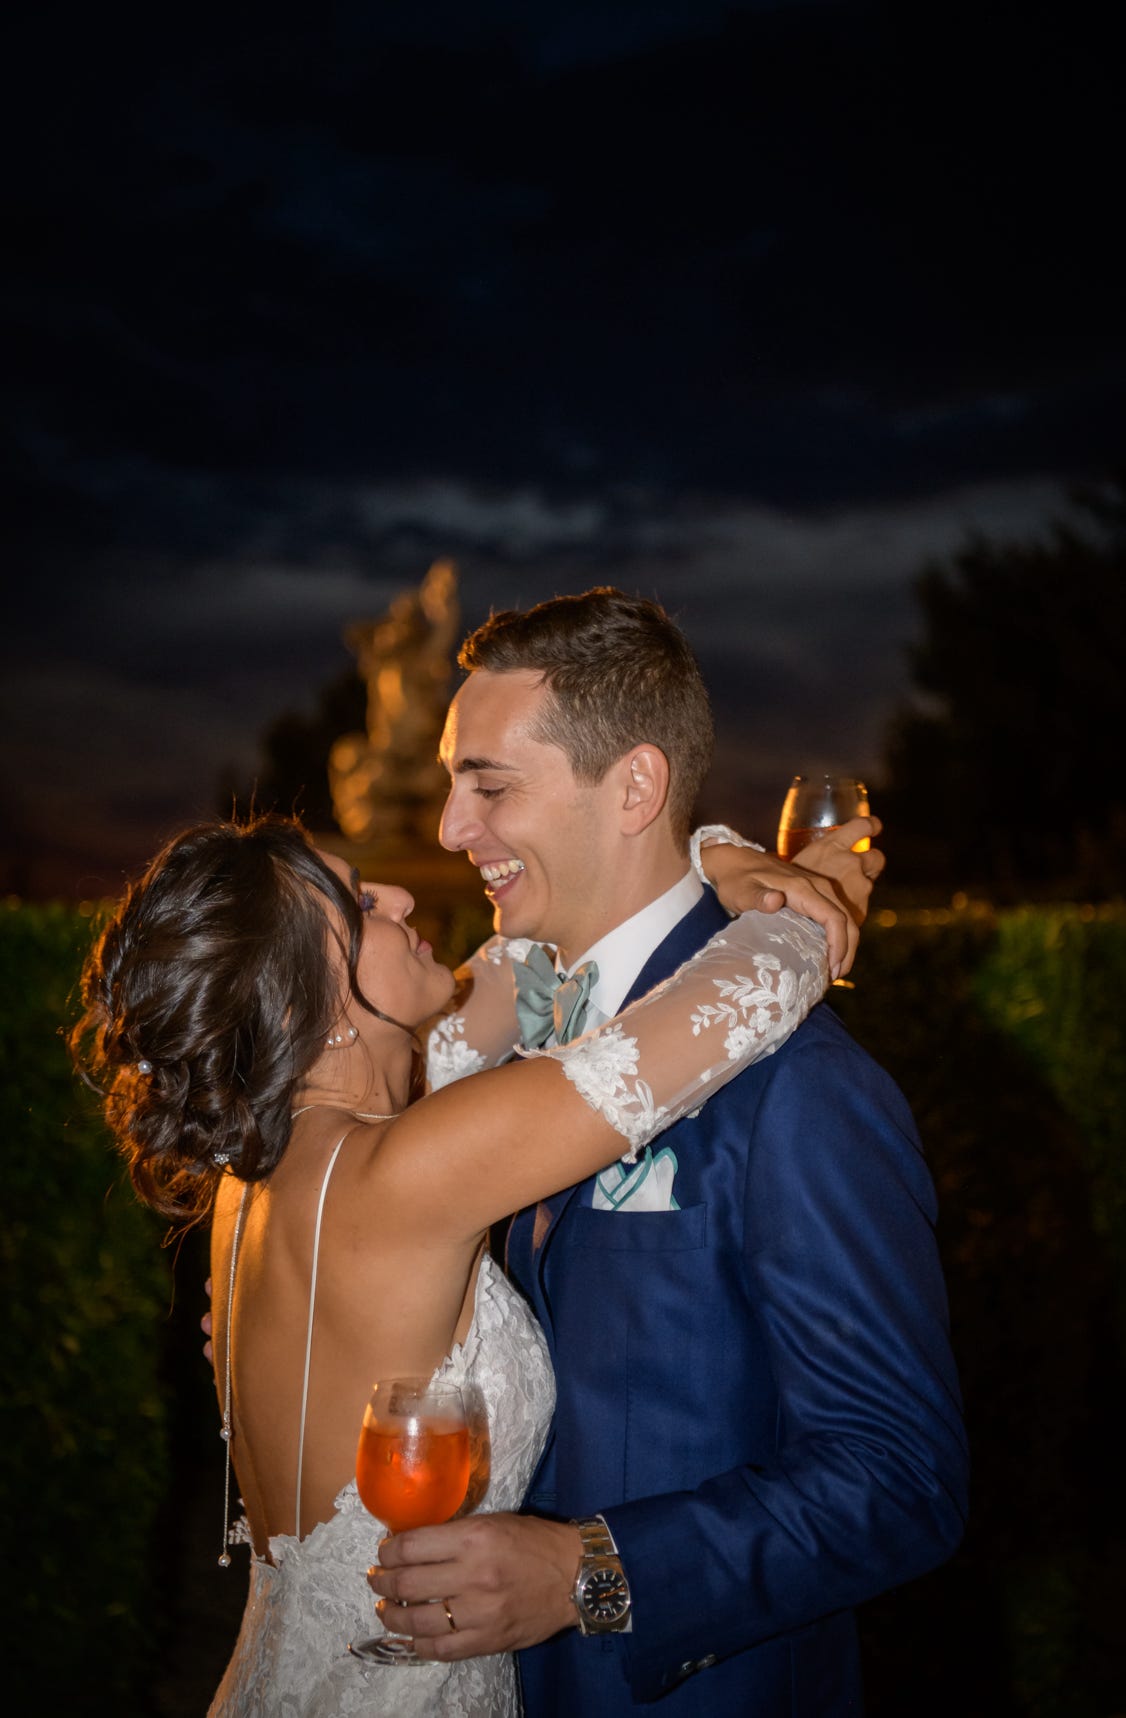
[{"x": 387, "y": 1300}]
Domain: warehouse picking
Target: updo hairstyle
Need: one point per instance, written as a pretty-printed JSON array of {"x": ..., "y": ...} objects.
[{"x": 207, "y": 998}]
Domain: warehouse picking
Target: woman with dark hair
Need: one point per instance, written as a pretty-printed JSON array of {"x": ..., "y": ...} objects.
[{"x": 251, "y": 1018}]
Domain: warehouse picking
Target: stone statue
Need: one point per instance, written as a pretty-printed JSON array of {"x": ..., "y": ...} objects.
[{"x": 387, "y": 785}]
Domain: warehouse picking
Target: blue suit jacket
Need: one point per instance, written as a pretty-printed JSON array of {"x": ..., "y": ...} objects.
[{"x": 756, "y": 1390}]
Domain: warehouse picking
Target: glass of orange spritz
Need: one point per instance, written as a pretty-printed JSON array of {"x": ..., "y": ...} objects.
[{"x": 412, "y": 1470}]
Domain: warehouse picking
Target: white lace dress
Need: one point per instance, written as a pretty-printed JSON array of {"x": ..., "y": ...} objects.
[{"x": 291, "y": 1658}]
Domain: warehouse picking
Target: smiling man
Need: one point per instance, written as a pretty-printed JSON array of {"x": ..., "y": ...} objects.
[
  {"x": 757, "y": 1421},
  {"x": 546, "y": 841}
]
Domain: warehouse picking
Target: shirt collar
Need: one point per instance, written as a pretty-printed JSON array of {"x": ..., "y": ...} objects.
[{"x": 622, "y": 952}]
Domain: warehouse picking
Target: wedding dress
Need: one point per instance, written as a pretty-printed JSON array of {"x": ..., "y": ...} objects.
[
  {"x": 735, "y": 1001},
  {"x": 291, "y": 1658}
]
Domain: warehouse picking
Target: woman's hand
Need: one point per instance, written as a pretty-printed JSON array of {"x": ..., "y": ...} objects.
[
  {"x": 827, "y": 882},
  {"x": 852, "y": 874}
]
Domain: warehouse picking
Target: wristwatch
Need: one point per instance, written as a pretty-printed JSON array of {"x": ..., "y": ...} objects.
[{"x": 601, "y": 1591}]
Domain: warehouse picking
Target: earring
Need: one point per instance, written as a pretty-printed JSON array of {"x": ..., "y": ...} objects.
[{"x": 336, "y": 1040}]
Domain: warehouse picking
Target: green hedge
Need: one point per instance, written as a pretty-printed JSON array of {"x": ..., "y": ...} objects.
[
  {"x": 1006, "y": 1035},
  {"x": 1055, "y": 983},
  {"x": 84, "y": 1288}
]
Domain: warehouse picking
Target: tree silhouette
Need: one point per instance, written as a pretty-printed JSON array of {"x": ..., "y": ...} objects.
[
  {"x": 295, "y": 748},
  {"x": 1007, "y": 768}
]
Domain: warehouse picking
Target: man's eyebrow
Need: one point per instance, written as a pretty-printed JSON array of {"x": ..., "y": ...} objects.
[{"x": 467, "y": 766}]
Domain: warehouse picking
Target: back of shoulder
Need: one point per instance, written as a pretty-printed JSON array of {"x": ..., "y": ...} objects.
[
  {"x": 823, "y": 1046},
  {"x": 824, "y": 1030}
]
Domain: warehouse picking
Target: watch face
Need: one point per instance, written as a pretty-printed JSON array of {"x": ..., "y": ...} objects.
[{"x": 605, "y": 1595}]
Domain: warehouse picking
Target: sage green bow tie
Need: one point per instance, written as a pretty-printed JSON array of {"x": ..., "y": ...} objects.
[{"x": 546, "y": 1002}]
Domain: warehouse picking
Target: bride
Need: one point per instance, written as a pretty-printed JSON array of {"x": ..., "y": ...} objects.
[{"x": 251, "y": 1012}]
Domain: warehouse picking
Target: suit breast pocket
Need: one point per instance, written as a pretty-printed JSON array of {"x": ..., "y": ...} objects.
[
  {"x": 634, "y": 1301},
  {"x": 684, "y": 1231}
]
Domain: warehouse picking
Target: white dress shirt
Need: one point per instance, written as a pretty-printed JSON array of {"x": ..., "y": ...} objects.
[{"x": 622, "y": 952}]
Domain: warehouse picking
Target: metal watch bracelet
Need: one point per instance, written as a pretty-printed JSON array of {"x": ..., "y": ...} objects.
[{"x": 601, "y": 1594}]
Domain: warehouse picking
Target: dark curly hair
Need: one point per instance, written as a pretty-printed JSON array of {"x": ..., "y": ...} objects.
[
  {"x": 620, "y": 672},
  {"x": 213, "y": 973}
]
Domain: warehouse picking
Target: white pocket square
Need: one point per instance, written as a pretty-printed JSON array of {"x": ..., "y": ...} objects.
[{"x": 642, "y": 1186}]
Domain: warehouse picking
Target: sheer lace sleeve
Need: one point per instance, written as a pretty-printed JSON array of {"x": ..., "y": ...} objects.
[
  {"x": 731, "y": 1004},
  {"x": 483, "y": 1029},
  {"x": 709, "y": 834}
]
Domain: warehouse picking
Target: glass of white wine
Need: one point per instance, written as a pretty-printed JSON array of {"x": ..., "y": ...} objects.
[{"x": 815, "y": 805}]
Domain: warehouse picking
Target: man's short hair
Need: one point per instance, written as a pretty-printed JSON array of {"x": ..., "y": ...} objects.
[{"x": 619, "y": 672}]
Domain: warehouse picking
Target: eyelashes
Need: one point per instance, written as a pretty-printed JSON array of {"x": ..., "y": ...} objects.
[{"x": 368, "y": 900}]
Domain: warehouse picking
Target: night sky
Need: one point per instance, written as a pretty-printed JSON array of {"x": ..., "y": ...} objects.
[{"x": 751, "y": 307}]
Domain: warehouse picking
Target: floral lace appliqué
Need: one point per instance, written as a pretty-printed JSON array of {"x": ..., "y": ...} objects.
[
  {"x": 606, "y": 1075},
  {"x": 448, "y": 1056},
  {"x": 751, "y": 985}
]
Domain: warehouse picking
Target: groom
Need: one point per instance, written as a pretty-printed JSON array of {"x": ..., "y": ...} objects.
[{"x": 758, "y": 1421}]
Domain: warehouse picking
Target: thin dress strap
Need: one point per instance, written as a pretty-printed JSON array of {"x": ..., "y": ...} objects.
[
  {"x": 309, "y": 1333},
  {"x": 227, "y": 1430}
]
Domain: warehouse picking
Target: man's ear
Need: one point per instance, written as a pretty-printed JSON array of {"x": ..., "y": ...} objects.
[{"x": 645, "y": 787}]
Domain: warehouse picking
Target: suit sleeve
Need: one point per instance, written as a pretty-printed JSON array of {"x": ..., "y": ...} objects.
[{"x": 866, "y": 1485}]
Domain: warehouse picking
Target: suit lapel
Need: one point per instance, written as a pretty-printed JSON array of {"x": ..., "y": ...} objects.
[{"x": 686, "y": 937}]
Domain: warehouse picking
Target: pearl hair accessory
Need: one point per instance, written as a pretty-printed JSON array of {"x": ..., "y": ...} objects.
[
  {"x": 144, "y": 1067},
  {"x": 336, "y": 1040}
]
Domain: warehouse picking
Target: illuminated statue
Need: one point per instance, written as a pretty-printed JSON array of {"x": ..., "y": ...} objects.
[{"x": 387, "y": 784}]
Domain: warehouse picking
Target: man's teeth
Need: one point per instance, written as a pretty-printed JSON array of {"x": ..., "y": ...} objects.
[{"x": 500, "y": 869}]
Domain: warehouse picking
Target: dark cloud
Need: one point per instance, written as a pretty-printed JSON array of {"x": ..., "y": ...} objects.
[
  {"x": 689, "y": 259},
  {"x": 725, "y": 301}
]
